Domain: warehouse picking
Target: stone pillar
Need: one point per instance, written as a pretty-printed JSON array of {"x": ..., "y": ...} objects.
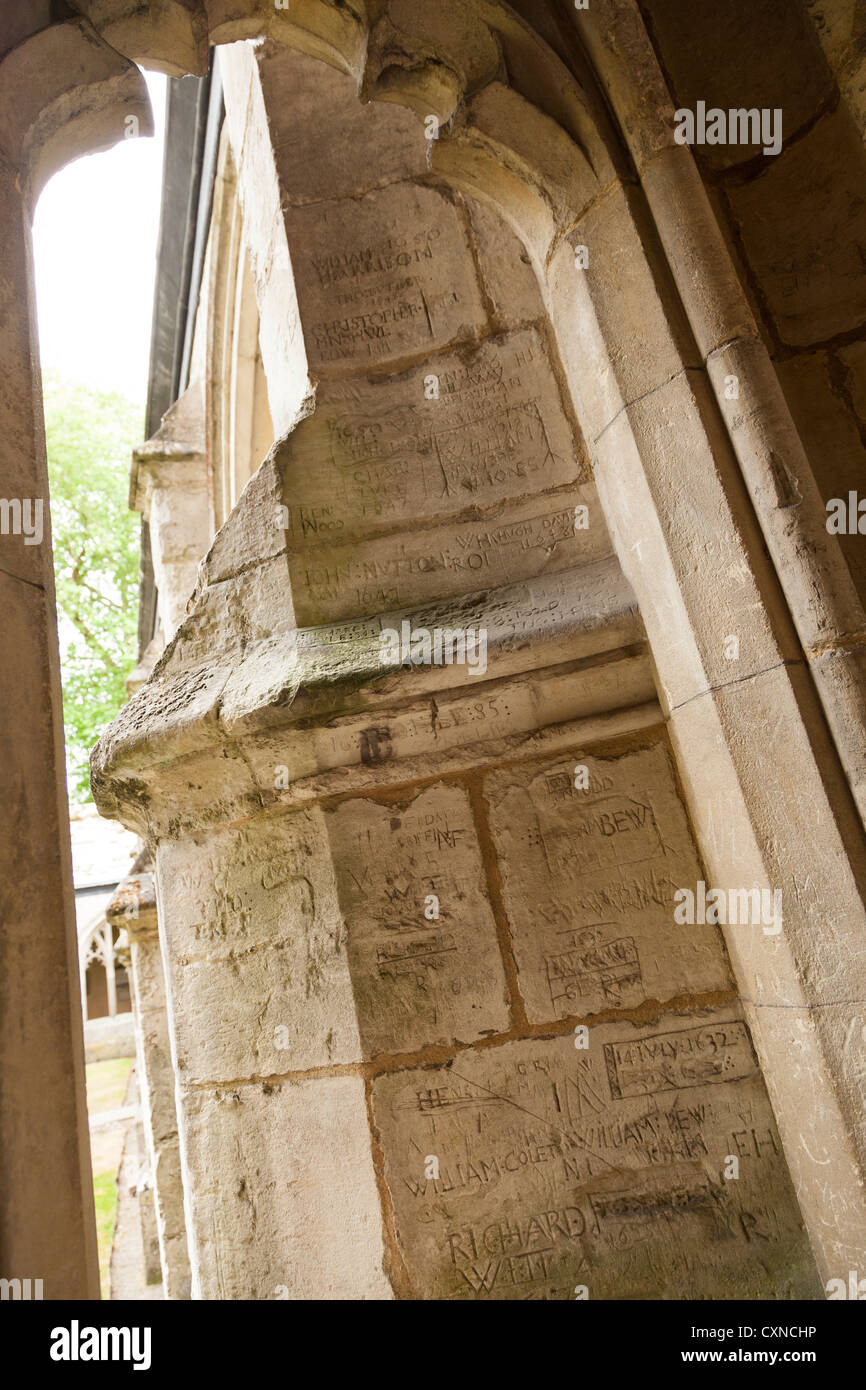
[
  {"x": 146, "y": 1198},
  {"x": 168, "y": 485},
  {"x": 768, "y": 796},
  {"x": 134, "y": 908},
  {"x": 417, "y": 911},
  {"x": 818, "y": 587},
  {"x": 46, "y": 1196},
  {"x": 64, "y": 92}
]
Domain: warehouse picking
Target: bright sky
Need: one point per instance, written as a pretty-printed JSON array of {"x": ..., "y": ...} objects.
[{"x": 94, "y": 238}]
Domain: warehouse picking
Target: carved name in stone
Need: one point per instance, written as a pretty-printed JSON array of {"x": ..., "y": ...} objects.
[
  {"x": 588, "y": 879},
  {"x": 259, "y": 975},
  {"x": 549, "y": 1182},
  {"x": 422, "y": 940},
  {"x": 359, "y": 578},
  {"x": 382, "y": 276},
  {"x": 381, "y": 452}
]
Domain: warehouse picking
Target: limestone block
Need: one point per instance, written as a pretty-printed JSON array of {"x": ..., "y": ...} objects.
[
  {"x": 422, "y": 943},
  {"x": 507, "y": 272},
  {"x": 823, "y": 1168},
  {"x": 588, "y": 879},
  {"x": 843, "y": 669},
  {"x": 149, "y": 1233},
  {"x": 23, "y": 471},
  {"x": 226, "y": 614},
  {"x": 280, "y": 338},
  {"x": 740, "y": 55},
  {"x": 602, "y": 1170},
  {"x": 158, "y": 1071},
  {"x": 453, "y": 728},
  {"x": 333, "y": 582},
  {"x": 833, "y": 438},
  {"x": 615, "y": 38},
  {"x": 788, "y": 470},
  {"x": 803, "y": 225},
  {"x": 46, "y": 1154},
  {"x": 255, "y": 951},
  {"x": 147, "y": 965},
  {"x": 321, "y": 690},
  {"x": 322, "y": 136},
  {"x": 695, "y": 518},
  {"x": 407, "y": 38},
  {"x": 383, "y": 276},
  {"x": 134, "y": 906},
  {"x": 757, "y": 729},
  {"x": 695, "y": 246},
  {"x": 252, "y": 532},
  {"x": 524, "y": 137},
  {"x": 66, "y": 93},
  {"x": 168, "y": 39},
  {"x": 286, "y": 1204},
  {"x": 382, "y": 453},
  {"x": 592, "y": 370},
  {"x": 180, "y": 711},
  {"x": 567, "y": 616},
  {"x": 646, "y": 339}
]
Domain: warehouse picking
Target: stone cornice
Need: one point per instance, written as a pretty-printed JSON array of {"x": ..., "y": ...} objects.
[{"x": 208, "y": 721}]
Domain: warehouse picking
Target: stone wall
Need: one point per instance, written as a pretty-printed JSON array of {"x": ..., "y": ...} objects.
[
  {"x": 437, "y": 1030},
  {"x": 536, "y": 370}
]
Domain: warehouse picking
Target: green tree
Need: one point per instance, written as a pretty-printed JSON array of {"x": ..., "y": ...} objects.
[{"x": 96, "y": 542}]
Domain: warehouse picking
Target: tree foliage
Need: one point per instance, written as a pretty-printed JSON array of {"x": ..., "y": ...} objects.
[{"x": 96, "y": 543}]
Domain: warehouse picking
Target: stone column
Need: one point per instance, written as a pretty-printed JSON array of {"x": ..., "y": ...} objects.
[
  {"x": 134, "y": 908},
  {"x": 144, "y": 1193},
  {"x": 768, "y": 796},
  {"x": 46, "y": 1196},
  {"x": 418, "y": 913},
  {"x": 168, "y": 485},
  {"x": 64, "y": 92}
]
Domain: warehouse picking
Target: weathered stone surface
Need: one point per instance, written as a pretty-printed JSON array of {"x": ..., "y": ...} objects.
[
  {"x": 620, "y": 339},
  {"x": 422, "y": 944},
  {"x": 711, "y": 531},
  {"x": 255, "y": 952},
  {"x": 281, "y": 340},
  {"x": 456, "y": 728},
  {"x": 741, "y": 54},
  {"x": 169, "y": 486},
  {"x": 833, "y": 437},
  {"x": 589, "y": 878},
  {"x": 156, "y": 1081},
  {"x": 297, "y": 937},
  {"x": 331, "y": 158},
  {"x": 803, "y": 224},
  {"x": 286, "y": 1204},
  {"x": 605, "y": 1168},
  {"x": 337, "y": 674},
  {"x": 506, "y": 269},
  {"x": 383, "y": 276},
  {"x": 351, "y": 580},
  {"x": 379, "y": 453}
]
